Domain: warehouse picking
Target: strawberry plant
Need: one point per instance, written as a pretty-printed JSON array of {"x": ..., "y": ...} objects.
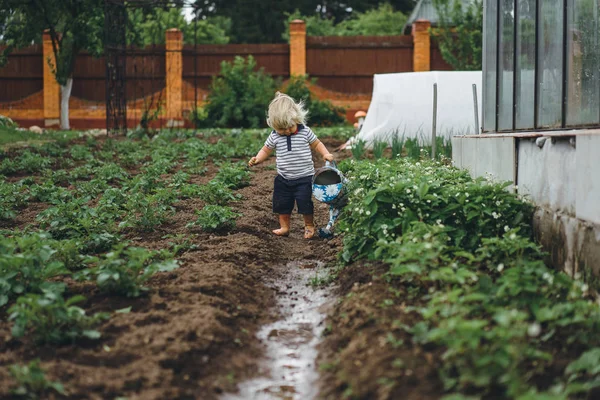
[
  {"x": 461, "y": 249},
  {"x": 31, "y": 381},
  {"x": 213, "y": 218},
  {"x": 49, "y": 318}
]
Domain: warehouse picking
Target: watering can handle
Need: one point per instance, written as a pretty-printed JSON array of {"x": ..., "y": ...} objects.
[{"x": 331, "y": 164}]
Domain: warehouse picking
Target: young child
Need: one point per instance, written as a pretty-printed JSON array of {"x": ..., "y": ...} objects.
[{"x": 292, "y": 140}]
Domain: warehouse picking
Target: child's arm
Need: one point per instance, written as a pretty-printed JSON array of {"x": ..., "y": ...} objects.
[
  {"x": 320, "y": 148},
  {"x": 262, "y": 155}
]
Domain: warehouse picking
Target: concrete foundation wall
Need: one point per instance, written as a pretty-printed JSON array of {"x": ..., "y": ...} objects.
[{"x": 560, "y": 173}]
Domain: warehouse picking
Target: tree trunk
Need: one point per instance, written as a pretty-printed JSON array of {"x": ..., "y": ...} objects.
[{"x": 65, "y": 95}]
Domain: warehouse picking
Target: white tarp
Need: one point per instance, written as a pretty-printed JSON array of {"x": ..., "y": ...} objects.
[{"x": 402, "y": 104}]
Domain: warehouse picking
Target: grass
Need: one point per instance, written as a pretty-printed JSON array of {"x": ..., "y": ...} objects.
[{"x": 10, "y": 136}]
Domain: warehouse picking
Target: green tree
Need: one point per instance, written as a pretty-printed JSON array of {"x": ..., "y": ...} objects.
[
  {"x": 73, "y": 26},
  {"x": 149, "y": 27},
  {"x": 240, "y": 95},
  {"x": 260, "y": 22},
  {"x": 460, "y": 33},
  {"x": 380, "y": 21}
]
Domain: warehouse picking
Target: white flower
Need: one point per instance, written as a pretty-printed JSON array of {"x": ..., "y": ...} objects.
[
  {"x": 407, "y": 190},
  {"x": 500, "y": 267},
  {"x": 393, "y": 206},
  {"x": 362, "y": 211},
  {"x": 498, "y": 203},
  {"x": 506, "y": 228},
  {"x": 429, "y": 201},
  {"x": 332, "y": 190},
  {"x": 534, "y": 330},
  {"x": 512, "y": 236},
  {"x": 368, "y": 212},
  {"x": 438, "y": 221},
  {"x": 319, "y": 194},
  {"x": 584, "y": 288},
  {"x": 466, "y": 194},
  {"x": 495, "y": 215},
  {"x": 428, "y": 245}
]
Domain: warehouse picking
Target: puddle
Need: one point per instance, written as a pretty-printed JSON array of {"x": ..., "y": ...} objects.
[{"x": 288, "y": 370}]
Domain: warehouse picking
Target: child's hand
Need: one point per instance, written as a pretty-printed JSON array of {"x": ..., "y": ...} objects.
[
  {"x": 328, "y": 157},
  {"x": 253, "y": 161}
]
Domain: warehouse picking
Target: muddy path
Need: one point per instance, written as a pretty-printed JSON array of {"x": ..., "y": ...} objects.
[{"x": 194, "y": 336}]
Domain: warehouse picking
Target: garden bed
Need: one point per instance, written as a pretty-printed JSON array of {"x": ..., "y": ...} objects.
[{"x": 192, "y": 334}]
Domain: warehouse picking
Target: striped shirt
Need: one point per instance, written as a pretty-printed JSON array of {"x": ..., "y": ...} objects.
[{"x": 294, "y": 158}]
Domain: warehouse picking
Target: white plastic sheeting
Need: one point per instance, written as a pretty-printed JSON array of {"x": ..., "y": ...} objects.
[{"x": 402, "y": 104}]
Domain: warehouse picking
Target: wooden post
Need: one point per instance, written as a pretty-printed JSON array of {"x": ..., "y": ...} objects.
[
  {"x": 421, "y": 45},
  {"x": 297, "y": 47},
  {"x": 174, "y": 81},
  {"x": 51, "y": 88}
]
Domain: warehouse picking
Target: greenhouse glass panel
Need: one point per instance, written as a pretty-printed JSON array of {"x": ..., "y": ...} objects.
[
  {"x": 583, "y": 78},
  {"x": 489, "y": 65},
  {"x": 550, "y": 63},
  {"x": 506, "y": 59},
  {"x": 525, "y": 72}
]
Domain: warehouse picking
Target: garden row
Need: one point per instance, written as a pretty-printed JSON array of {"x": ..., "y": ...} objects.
[
  {"x": 94, "y": 197},
  {"x": 469, "y": 309}
]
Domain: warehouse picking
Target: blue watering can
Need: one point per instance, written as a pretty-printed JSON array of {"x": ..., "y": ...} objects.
[{"x": 329, "y": 187}]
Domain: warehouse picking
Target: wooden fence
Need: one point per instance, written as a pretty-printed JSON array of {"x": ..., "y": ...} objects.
[{"x": 343, "y": 66}]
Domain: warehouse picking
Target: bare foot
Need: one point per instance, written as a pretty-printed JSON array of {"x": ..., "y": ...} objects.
[
  {"x": 309, "y": 232},
  {"x": 281, "y": 232}
]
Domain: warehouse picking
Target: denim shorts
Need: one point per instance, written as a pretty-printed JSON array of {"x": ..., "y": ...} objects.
[{"x": 289, "y": 191}]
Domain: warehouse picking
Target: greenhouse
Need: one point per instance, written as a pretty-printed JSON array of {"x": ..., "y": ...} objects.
[{"x": 540, "y": 65}]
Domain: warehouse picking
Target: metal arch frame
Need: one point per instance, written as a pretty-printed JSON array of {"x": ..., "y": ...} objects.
[
  {"x": 116, "y": 52},
  {"x": 564, "y": 87}
]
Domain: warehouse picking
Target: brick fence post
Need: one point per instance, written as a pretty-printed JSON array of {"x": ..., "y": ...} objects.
[
  {"x": 421, "y": 45},
  {"x": 174, "y": 78},
  {"x": 297, "y": 47},
  {"x": 51, "y": 89}
]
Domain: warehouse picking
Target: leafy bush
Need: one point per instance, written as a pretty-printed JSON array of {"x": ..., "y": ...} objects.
[
  {"x": 51, "y": 319},
  {"x": 26, "y": 265},
  {"x": 320, "y": 112},
  {"x": 396, "y": 193},
  {"x": 460, "y": 33},
  {"x": 124, "y": 270},
  {"x": 240, "y": 95},
  {"x": 213, "y": 218},
  {"x": 32, "y": 382},
  {"x": 233, "y": 176},
  {"x": 199, "y": 117}
]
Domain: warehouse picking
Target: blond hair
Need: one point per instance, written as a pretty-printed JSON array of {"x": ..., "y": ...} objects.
[{"x": 284, "y": 112}]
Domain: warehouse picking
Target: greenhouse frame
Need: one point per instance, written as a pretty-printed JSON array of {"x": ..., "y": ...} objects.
[{"x": 541, "y": 65}]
